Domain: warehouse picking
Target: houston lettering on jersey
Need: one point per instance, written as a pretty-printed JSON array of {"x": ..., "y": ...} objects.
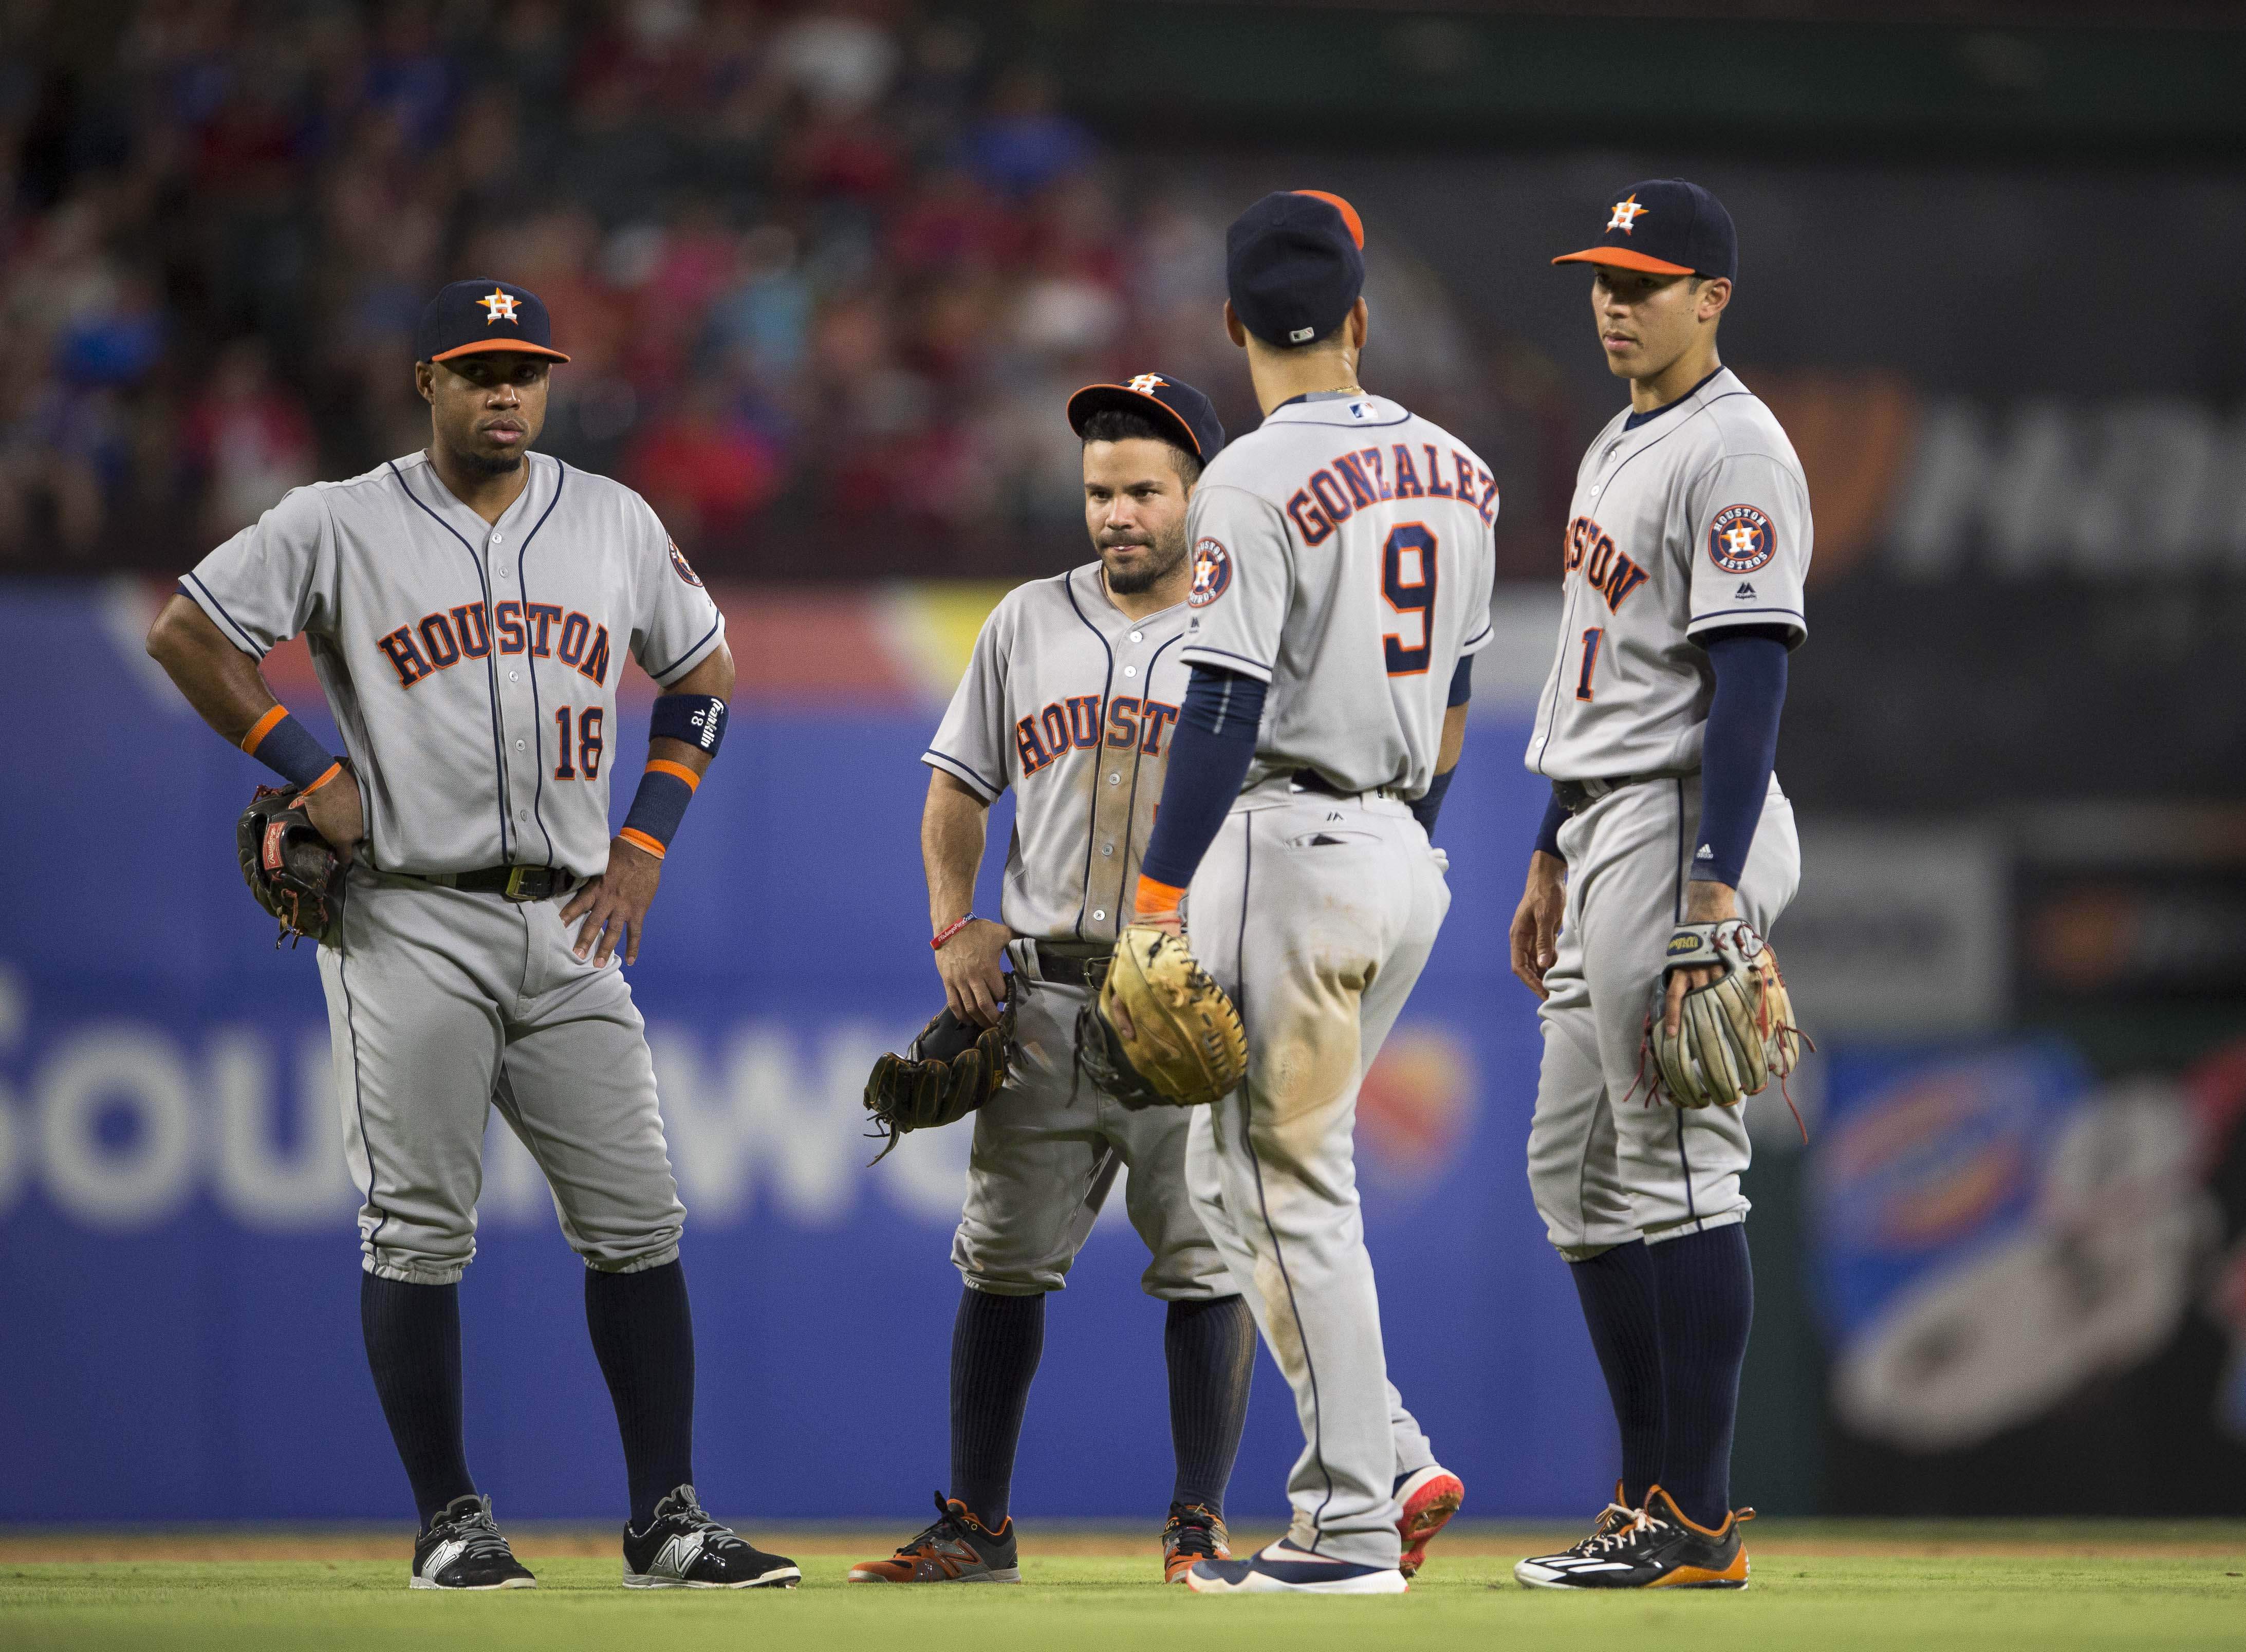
[
  {"x": 1606, "y": 569},
  {"x": 542, "y": 630},
  {"x": 1348, "y": 481},
  {"x": 1074, "y": 724}
]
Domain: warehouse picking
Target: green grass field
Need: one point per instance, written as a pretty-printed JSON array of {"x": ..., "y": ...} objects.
[{"x": 1819, "y": 1586}]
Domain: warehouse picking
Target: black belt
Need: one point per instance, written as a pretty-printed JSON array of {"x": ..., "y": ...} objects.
[
  {"x": 516, "y": 883},
  {"x": 1575, "y": 796},
  {"x": 1312, "y": 780},
  {"x": 1068, "y": 968}
]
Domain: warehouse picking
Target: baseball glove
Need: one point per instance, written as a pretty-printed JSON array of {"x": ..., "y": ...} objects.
[
  {"x": 946, "y": 1073},
  {"x": 289, "y": 868},
  {"x": 1164, "y": 1027},
  {"x": 1733, "y": 1035}
]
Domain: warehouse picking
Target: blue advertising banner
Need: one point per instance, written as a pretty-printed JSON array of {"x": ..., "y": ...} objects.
[{"x": 178, "y": 1255}]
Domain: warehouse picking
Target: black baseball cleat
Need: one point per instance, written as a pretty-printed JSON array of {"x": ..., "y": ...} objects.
[
  {"x": 463, "y": 1550},
  {"x": 957, "y": 1548},
  {"x": 1655, "y": 1547},
  {"x": 681, "y": 1548},
  {"x": 1194, "y": 1533}
]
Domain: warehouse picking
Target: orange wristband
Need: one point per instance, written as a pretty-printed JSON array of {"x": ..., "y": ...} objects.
[
  {"x": 334, "y": 769},
  {"x": 677, "y": 771},
  {"x": 639, "y": 839},
  {"x": 1156, "y": 899},
  {"x": 272, "y": 719}
]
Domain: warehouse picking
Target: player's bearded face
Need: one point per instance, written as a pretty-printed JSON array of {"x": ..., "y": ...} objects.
[
  {"x": 487, "y": 409},
  {"x": 1134, "y": 504}
]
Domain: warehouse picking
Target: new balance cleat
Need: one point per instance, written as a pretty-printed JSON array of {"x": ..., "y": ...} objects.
[
  {"x": 1193, "y": 1534},
  {"x": 1283, "y": 1569},
  {"x": 1655, "y": 1547},
  {"x": 957, "y": 1548},
  {"x": 1428, "y": 1499},
  {"x": 683, "y": 1548},
  {"x": 462, "y": 1549}
]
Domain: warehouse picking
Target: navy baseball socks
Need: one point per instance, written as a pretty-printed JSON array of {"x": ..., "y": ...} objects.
[
  {"x": 1210, "y": 1347},
  {"x": 413, "y": 1335},
  {"x": 1669, "y": 1324},
  {"x": 643, "y": 1333},
  {"x": 996, "y": 1344}
]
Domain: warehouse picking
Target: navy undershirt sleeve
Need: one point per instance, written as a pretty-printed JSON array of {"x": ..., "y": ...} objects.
[
  {"x": 1741, "y": 748},
  {"x": 1429, "y": 804},
  {"x": 1210, "y": 755},
  {"x": 1548, "y": 830},
  {"x": 1462, "y": 682}
]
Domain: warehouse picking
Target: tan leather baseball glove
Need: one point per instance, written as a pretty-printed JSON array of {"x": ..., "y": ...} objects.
[
  {"x": 1735, "y": 1035},
  {"x": 1171, "y": 1022}
]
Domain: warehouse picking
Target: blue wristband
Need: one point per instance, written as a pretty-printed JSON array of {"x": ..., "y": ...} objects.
[
  {"x": 287, "y": 747},
  {"x": 658, "y": 806},
  {"x": 698, "y": 720}
]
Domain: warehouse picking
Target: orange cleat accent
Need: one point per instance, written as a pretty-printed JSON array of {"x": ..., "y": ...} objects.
[{"x": 1430, "y": 1498}]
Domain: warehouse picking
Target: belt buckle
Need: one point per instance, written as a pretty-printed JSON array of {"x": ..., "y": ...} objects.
[{"x": 514, "y": 890}]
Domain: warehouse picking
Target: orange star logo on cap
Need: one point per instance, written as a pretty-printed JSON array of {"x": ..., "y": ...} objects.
[
  {"x": 498, "y": 306},
  {"x": 1626, "y": 213}
]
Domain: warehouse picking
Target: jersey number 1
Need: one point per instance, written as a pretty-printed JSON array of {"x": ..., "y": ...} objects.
[
  {"x": 1407, "y": 580},
  {"x": 1590, "y": 659}
]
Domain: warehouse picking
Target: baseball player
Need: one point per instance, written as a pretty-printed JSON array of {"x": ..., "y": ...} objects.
[
  {"x": 1685, "y": 557},
  {"x": 468, "y": 610},
  {"x": 1072, "y": 698},
  {"x": 1343, "y": 555}
]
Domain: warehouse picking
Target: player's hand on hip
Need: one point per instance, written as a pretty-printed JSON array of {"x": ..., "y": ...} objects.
[
  {"x": 338, "y": 814},
  {"x": 614, "y": 904},
  {"x": 973, "y": 983},
  {"x": 1535, "y": 935}
]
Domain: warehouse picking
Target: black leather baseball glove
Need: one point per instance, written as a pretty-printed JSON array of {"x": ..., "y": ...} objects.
[
  {"x": 946, "y": 1073},
  {"x": 289, "y": 868}
]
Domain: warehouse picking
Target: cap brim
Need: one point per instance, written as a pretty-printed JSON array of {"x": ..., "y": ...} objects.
[
  {"x": 488, "y": 346},
  {"x": 1622, "y": 258},
  {"x": 1094, "y": 398}
]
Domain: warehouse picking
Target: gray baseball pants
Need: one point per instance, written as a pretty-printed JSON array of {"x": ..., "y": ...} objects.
[
  {"x": 1317, "y": 913},
  {"x": 1047, "y": 1150},
  {"x": 443, "y": 1005},
  {"x": 1607, "y": 1162}
]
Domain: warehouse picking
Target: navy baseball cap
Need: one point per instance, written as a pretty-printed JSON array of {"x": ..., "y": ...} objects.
[
  {"x": 1171, "y": 402},
  {"x": 470, "y": 317},
  {"x": 1293, "y": 263},
  {"x": 1667, "y": 227}
]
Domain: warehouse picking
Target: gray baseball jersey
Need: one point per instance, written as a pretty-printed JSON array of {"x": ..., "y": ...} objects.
[
  {"x": 1071, "y": 704},
  {"x": 471, "y": 665},
  {"x": 1343, "y": 553},
  {"x": 472, "y": 668},
  {"x": 1696, "y": 519}
]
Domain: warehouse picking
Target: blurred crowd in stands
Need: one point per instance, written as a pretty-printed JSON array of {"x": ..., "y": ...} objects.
[{"x": 828, "y": 271}]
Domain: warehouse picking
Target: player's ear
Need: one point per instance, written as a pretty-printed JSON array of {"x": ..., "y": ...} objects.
[
  {"x": 424, "y": 378},
  {"x": 1233, "y": 329},
  {"x": 1360, "y": 320},
  {"x": 1714, "y": 294}
]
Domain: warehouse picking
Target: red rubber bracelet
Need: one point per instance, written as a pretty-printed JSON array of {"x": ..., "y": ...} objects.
[{"x": 949, "y": 930}]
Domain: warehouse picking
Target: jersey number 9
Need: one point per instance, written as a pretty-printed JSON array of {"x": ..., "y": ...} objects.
[{"x": 1407, "y": 580}]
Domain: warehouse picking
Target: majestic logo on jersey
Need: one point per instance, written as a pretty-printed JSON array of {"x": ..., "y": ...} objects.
[
  {"x": 685, "y": 569},
  {"x": 1742, "y": 539},
  {"x": 1351, "y": 481},
  {"x": 1147, "y": 383},
  {"x": 1078, "y": 723},
  {"x": 498, "y": 306},
  {"x": 543, "y": 630},
  {"x": 1626, "y": 214},
  {"x": 1607, "y": 568},
  {"x": 1212, "y": 565}
]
